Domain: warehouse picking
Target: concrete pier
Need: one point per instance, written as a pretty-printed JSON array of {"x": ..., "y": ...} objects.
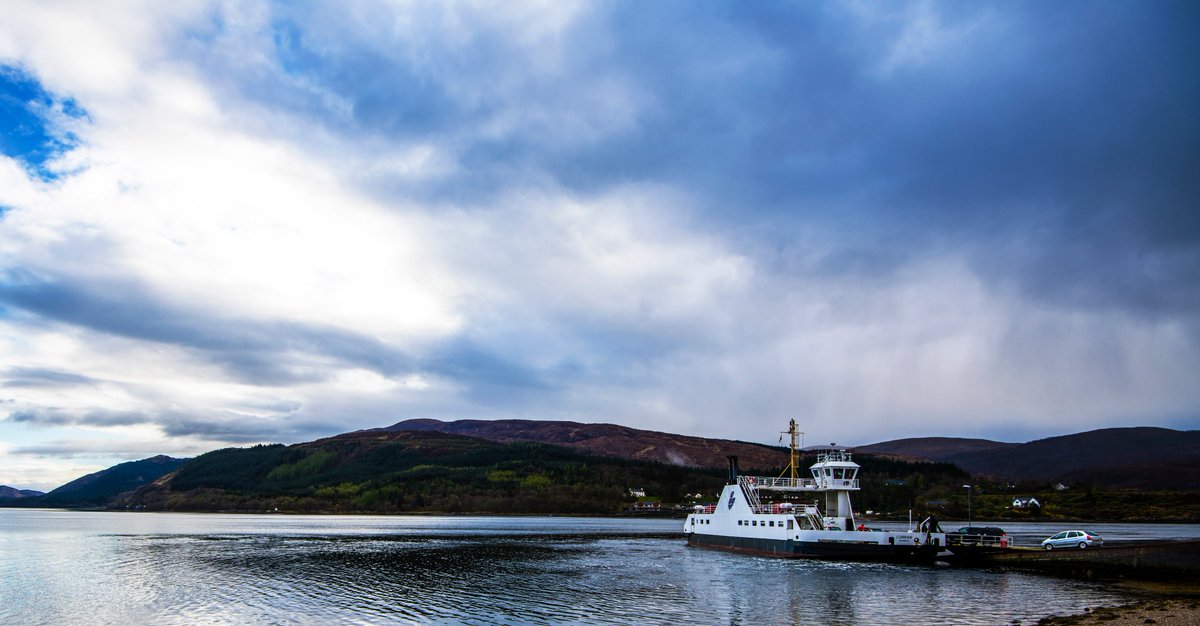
[{"x": 1160, "y": 561}]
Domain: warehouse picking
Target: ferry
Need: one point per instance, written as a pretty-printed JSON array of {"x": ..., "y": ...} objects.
[{"x": 784, "y": 516}]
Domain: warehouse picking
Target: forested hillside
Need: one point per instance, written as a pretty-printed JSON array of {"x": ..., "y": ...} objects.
[{"x": 417, "y": 472}]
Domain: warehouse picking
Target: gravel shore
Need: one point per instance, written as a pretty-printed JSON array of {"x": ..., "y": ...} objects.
[
  {"x": 1164, "y": 611},
  {"x": 1167, "y": 603}
]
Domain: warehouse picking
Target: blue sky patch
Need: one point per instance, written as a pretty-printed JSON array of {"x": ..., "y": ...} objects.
[{"x": 28, "y": 130}]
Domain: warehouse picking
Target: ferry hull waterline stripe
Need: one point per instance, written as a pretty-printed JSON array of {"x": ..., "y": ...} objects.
[
  {"x": 856, "y": 551},
  {"x": 789, "y": 526}
]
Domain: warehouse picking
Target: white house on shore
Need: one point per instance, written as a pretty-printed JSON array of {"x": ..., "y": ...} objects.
[{"x": 1026, "y": 503}]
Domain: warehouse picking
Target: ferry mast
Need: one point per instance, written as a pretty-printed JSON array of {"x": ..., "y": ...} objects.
[{"x": 794, "y": 457}]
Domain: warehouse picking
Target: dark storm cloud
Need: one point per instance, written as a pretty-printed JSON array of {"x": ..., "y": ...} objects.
[
  {"x": 490, "y": 375},
  {"x": 1063, "y": 159},
  {"x": 250, "y": 349},
  {"x": 224, "y": 426},
  {"x": 240, "y": 428},
  {"x": 63, "y": 417},
  {"x": 70, "y": 449},
  {"x": 254, "y": 352},
  {"x": 1055, "y": 146},
  {"x": 38, "y": 377}
]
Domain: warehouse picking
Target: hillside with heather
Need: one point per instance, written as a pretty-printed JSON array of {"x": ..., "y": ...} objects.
[
  {"x": 417, "y": 471},
  {"x": 526, "y": 467},
  {"x": 933, "y": 448},
  {"x": 413, "y": 471},
  {"x": 609, "y": 440},
  {"x": 1133, "y": 458}
]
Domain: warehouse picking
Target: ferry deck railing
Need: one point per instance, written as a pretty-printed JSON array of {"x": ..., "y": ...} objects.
[
  {"x": 983, "y": 541},
  {"x": 748, "y": 487},
  {"x": 798, "y": 484}
]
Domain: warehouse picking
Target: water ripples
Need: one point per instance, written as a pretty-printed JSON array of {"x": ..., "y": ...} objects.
[{"x": 268, "y": 569}]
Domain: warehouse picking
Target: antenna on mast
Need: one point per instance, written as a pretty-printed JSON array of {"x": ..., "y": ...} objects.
[{"x": 793, "y": 459}]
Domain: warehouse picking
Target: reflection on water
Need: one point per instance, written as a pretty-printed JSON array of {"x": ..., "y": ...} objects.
[{"x": 74, "y": 567}]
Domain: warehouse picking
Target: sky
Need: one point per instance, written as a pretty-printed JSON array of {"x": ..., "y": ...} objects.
[{"x": 227, "y": 223}]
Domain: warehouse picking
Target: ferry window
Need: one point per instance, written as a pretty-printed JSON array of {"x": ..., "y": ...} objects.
[
  {"x": 755, "y": 522},
  {"x": 789, "y": 524},
  {"x": 771, "y": 523}
]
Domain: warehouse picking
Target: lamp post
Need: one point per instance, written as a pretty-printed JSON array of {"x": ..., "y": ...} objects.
[{"x": 968, "y": 488}]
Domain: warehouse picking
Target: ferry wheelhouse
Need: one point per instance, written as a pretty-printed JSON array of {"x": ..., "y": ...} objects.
[{"x": 785, "y": 516}]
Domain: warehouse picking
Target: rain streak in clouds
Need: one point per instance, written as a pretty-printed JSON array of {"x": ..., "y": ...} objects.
[{"x": 230, "y": 223}]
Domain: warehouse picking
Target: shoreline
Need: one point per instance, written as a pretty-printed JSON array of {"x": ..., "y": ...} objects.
[
  {"x": 1167, "y": 604},
  {"x": 1164, "y": 611}
]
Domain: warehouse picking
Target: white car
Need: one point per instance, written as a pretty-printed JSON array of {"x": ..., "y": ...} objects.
[{"x": 1073, "y": 539}]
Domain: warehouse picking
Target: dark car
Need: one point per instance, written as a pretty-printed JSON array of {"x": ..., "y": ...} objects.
[
  {"x": 991, "y": 531},
  {"x": 978, "y": 536}
]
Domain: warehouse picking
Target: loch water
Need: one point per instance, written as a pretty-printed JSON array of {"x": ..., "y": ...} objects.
[{"x": 75, "y": 567}]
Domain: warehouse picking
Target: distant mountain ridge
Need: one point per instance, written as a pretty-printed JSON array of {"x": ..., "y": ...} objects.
[
  {"x": 933, "y": 448},
  {"x": 609, "y": 440},
  {"x": 97, "y": 488},
  {"x": 1144, "y": 458},
  {"x": 414, "y": 471},
  {"x": 13, "y": 492},
  {"x": 1139, "y": 457}
]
